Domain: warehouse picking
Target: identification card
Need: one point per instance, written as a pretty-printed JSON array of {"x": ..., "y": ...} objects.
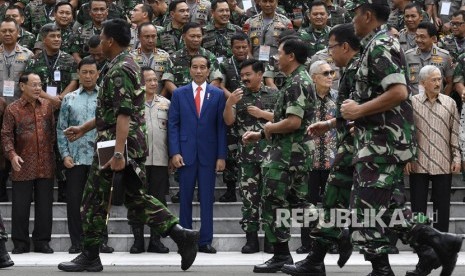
[
  {"x": 220, "y": 59},
  {"x": 52, "y": 90},
  {"x": 57, "y": 75},
  {"x": 8, "y": 88},
  {"x": 445, "y": 8},
  {"x": 264, "y": 53}
]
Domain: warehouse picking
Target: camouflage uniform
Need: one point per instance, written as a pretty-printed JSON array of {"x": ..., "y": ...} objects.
[
  {"x": 383, "y": 142},
  {"x": 459, "y": 71},
  {"x": 3, "y": 10},
  {"x": 170, "y": 39},
  {"x": 36, "y": 15},
  {"x": 121, "y": 94},
  {"x": 454, "y": 6},
  {"x": 453, "y": 45},
  {"x": 17, "y": 63},
  {"x": 159, "y": 61},
  {"x": 317, "y": 39},
  {"x": 82, "y": 36},
  {"x": 162, "y": 20},
  {"x": 337, "y": 15},
  {"x": 67, "y": 39},
  {"x": 26, "y": 39},
  {"x": 83, "y": 16},
  {"x": 261, "y": 34},
  {"x": 295, "y": 9},
  {"x": 438, "y": 57},
  {"x": 286, "y": 167},
  {"x": 396, "y": 19},
  {"x": 230, "y": 70},
  {"x": 250, "y": 156},
  {"x": 179, "y": 74},
  {"x": 406, "y": 40},
  {"x": 218, "y": 41},
  {"x": 200, "y": 12}
]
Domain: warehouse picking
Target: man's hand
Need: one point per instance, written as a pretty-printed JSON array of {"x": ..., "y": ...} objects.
[
  {"x": 250, "y": 137},
  {"x": 255, "y": 111},
  {"x": 455, "y": 167},
  {"x": 73, "y": 133},
  {"x": 350, "y": 110},
  {"x": 220, "y": 165},
  {"x": 408, "y": 168},
  {"x": 235, "y": 97},
  {"x": 115, "y": 164},
  {"x": 177, "y": 161},
  {"x": 266, "y": 128},
  {"x": 16, "y": 163},
  {"x": 56, "y": 101},
  {"x": 318, "y": 128},
  {"x": 68, "y": 162}
]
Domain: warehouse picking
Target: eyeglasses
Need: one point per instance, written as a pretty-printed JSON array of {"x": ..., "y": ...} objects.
[
  {"x": 331, "y": 73},
  {"x": 332, "y": 46},
  {"x": 456, "y": 24}
]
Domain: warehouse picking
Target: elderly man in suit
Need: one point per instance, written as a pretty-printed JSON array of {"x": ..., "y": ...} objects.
[{"x": 197, "y": 145}]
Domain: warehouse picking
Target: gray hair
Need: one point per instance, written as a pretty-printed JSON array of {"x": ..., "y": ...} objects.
[
  {"x": 427, "y": 70},
  {"x": 315, "y": 67}
]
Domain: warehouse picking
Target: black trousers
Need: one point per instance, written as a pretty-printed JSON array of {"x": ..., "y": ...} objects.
[
  {"x": 316, "y": 185},
  {"x": 441, "y": 189},
  {"x": 76, "y": 178},
  {"x": 21, "y": 204},
  {"x": 157, "y": 182}
]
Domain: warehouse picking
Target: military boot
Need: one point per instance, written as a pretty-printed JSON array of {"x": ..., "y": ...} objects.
[
  {"x": 230, "y": 195},
  {"x": 313, "y": 264},
  {"x": 305, "y": 239},
  {"x": 445, "y": 245},
  {"x": 104, "y": 247},
  {"x": 187, "y": 241},
  {"x": 138, "y": 246},
  {"x": 155, "y": 245},
  {"x": 252, "y": 245},
  {"x": 88, "y": 260},
  {"x": 267, "y": 246},
  {"x": 5, "y": 260},
  {"x": 380, "y": 264},
  {"x": 345, "y": 247},
  {"x": 427, "y": 261}
]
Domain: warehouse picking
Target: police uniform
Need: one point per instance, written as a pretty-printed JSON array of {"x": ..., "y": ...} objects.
[
  {"x": 170, "y": 39},
  {"x": 316, "y": 39},
  {"x": 218, "y": 41},
  {"x": 407, "y": 40},
  {"x": 159, "y": 61},
  {"x": 36, "y": 15},
  {"x": 265, "y": 35},
  {"x": 437, "y": 57},
  {"x": 200, "y": 12},
  {"x": 11, "y": 68}
]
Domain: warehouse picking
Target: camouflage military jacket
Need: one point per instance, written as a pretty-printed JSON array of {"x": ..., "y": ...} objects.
[
  {"x": 36, "y": 15},
  {"x": 3, "y": 10},
  {"x": 121, "y": 93},
  {"x": 406, "y": 40},
  {"x": 64, "y": 64},
  {"x": 292, "y": 151},
  {"x": 218, "y": 41},
  {"x": 170, "y": 39},
  {"x": 265, "y": 99},
  {"x": 396, "y": 19},
  {"x": 162, "y": 20},
  {"x": 386, "y": 137},
  {"x": 237, "y": 18},
  {"x": 295, "y": 9},
  {"x": 459, "y": 71},
  {"x": 261, "y": 34},
  {"x": 179, "y": 73},
  {"x": 82, "y": 36},
  {"x": 11, "y": 68},
  {"x": 159, "y": 61},
  {"x": 26, "y": 39},
  {"x": 272, "y": 71},
  {"x": 454, "y": 46},
  {"x": 437, "y": 57},
  {"x": 230, "y": 70},
  {"x": 114, "y": 11},
  {"x": 200, "y": 12},
  {"x": 67, "y": 39},
  {"x": 317, "y": 39}
]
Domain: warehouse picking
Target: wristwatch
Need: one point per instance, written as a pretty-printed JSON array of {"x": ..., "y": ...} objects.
[{"x": 118, "y": 155}]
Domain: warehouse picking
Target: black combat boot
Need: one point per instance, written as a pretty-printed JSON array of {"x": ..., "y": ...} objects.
[
  {"x": 427, "y": 261},
  {"x": 345, "y": 247},
  {"x": 139, "y": 245},
  {"x": 267, "y": 246},
  {"x": 281, "y": 257},
  {"x": 305, "y": 239},
  {"x": 380, "y": 264},
  {"x": 313, "y": 264},
  {"x": 187, "y": 241},
  {"x": 230, "y": 195},
  {"x": 104, "y": 247},
  {"x": 5, "y": 260},
  {"x": 155, "y": 245},
  {"x": 252, "y": 245},
  {"x": 88, "y": 260},
  {"x": 446, "y": 245}
]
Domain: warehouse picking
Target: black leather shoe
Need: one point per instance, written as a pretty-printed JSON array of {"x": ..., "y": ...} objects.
[
  {"x": 175, "y": 198},
  {"x": 5, "y": 260},
  {"x": 20, "y": 250},
  {"x": 305, "y": 267},
  {"x": 207, "y": 248},
  {"x": 74, "y": 249},
  {"x": 187, "y": 241},
  {"x": 229, "y": 196},
  {"x": 104, "y": 248},
  {"x": 156, "y": 246},
  {"x": 82, "y": 263},
  {"x": 44, "y": 248},
  {"x": 274, "y": 264},
  {"x": 302, "y": 250}
]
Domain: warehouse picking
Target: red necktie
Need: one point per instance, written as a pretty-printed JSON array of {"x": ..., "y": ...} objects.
[{"x": 197, "y": 99}]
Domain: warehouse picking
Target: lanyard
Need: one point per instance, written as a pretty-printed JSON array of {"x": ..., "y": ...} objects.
[
  {"x": 235, "y": 68},
  {"x": 49, "y": 65},
  {"x": 8, "y": 62}
]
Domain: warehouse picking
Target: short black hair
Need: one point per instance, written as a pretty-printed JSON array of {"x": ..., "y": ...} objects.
[
  {"x": 214, "y": 3},
  {"x": 317, "y": 3},
  {"x": 63, "y": 3},
  {"x": 24, "y": 78},
  {"x": 11, "y": 19},
  {"x": 430, "y": 28},
  {"x": 413, "y": 5},
  {"x": 174, "y": 4},
  {"x": 87, "y": 61},
  {"x": 48, "y": 28},
  {"x": 296, "y": 47},
  {"x": 200, "y": 56},
  {"x": 146, "y": 68},
  {"x": 91, "y": 1},
  {"x": 381, "y": 12},
  {"x": 15, "y": 7},
  {"x": 345, "y": 33},
  {"x": 241, "y": 36},
  {"x": 148, "y": 9},
  {"x": 139, "y": 29},
  {"x": 286, "y": 33},
  {"x": 257, "y": 66},
  {"x": 191, "y": 25},
  {"x": 458, "y": 13},
  {"x": 119, "y": 30},
  {"x": 94, "y": 41}
]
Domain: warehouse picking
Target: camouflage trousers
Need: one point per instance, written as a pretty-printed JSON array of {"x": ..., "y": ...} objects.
[
  {"x": 3, "y": 234},
  {"x": 231, "y": 169},
  {"x": 142, "y": 208},
  {"x": 336, "y": 196},
  {"x": 283, "y": 190},
  {"x": 379, "y": 192},
  {"x": 250, "y": 188}
]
